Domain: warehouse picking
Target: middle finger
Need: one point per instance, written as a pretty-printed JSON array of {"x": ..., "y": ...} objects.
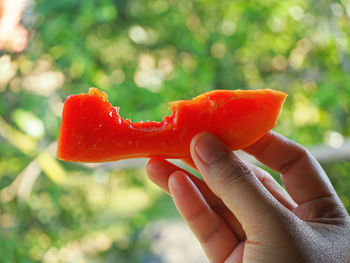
[{"x": 159, "y": 170}]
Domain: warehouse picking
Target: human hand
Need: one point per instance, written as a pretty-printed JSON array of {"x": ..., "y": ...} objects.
[{"x": 239, "y": 213}]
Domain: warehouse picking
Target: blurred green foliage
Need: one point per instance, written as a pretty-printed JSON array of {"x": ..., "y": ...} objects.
[{"x": 145, "y": 53}]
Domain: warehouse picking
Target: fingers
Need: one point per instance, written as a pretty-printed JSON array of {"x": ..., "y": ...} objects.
[
  {"x": 231, "y": 180},
  {"x": 301, "y": 174},
  {"x": 159, "y": 171},
  {"x": 267, "y": 180},
  {"x": 189, "y": 162},
  {"x": 216, "y": 238},
  {"x": 273, "y": 187}
]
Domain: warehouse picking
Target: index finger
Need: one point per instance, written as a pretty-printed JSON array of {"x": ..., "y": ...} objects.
[{"x": 301, "y": 174}]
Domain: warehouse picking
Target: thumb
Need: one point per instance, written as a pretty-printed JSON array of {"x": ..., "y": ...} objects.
[{"x": 231, "y": 180}]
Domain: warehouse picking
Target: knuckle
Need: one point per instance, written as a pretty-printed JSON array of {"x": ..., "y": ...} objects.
[
  {"x": 197, "y": 214},
  {"x": 303, "y": 154},
  {"x": 306, "y": 154},
  {"x": 208, "y": 236},
  {"x": 234, "y": 172}
]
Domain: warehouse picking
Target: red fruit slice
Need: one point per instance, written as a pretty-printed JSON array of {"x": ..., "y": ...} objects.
[{"x": 92, "y": 130}]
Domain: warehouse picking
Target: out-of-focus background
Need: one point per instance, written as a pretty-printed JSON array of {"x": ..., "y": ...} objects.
[{"x": 144, "y": 53}]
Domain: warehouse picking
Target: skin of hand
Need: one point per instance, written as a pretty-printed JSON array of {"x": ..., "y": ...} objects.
[{"x": 239, "y": 213}]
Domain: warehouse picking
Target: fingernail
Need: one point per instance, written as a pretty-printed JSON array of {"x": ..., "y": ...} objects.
[{"x": 210, "y": 149}]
